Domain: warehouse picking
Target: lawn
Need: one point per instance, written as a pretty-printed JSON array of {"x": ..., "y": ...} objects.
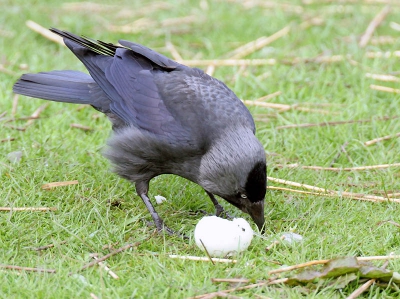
[{"x": 316, "y": 68}]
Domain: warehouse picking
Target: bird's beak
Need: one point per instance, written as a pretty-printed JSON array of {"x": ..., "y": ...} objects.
[{"x": 256, "y": 211}]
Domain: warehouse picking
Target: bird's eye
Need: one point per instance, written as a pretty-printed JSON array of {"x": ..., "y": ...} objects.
[{"x": 242, "y": 195}]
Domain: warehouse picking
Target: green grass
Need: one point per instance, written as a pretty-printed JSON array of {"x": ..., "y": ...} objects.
[{"x": 86, "y": 219}]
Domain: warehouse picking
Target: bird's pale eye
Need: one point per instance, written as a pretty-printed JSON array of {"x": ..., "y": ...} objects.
[{"x": 242, "y": 195}]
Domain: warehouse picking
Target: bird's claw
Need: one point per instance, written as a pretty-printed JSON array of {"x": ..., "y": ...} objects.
[
  {"x": 219, "y": 212},
  {"x": 162, "y": 228},
  {"x": 224, "y": 214}
]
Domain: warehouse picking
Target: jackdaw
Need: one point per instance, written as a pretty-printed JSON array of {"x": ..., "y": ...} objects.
[{"x": 167, "y": 118}]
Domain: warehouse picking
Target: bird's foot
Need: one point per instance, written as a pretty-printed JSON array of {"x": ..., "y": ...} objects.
[
  {"x": 224, "y": 214},
  {"x": 162, "y": 228},
  {"x": 219, "y": 212},
  {"x": 204, "y": 212},
  {"x": 141, "y": 188}
]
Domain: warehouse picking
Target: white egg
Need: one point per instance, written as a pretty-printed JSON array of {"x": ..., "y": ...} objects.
[{"x": 223, "y": 237}]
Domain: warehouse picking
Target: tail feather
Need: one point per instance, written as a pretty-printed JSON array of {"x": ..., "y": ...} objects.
[
  {"x": 59, "y": 86},
  {"x": 63, "y": 86}
]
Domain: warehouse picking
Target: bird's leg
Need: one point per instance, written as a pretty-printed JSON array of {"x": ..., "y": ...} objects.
[
  {"x": 218, "y": 208},
  {"x": 142, "y": 189}
]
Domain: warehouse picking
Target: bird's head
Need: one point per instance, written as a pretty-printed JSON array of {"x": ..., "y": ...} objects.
[
  {"x": 249, "y": 197},
  {"x": 235, "y": 169}
]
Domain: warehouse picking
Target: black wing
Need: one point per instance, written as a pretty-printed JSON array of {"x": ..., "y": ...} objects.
[{"x": 127, "y": 78}]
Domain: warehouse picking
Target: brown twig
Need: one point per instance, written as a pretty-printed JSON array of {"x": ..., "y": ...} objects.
[
  {"x": 14, "y": 105},
  {"x": 21, "y": 118},
  {"x": 388, "y": 221},
  {"x": 82, "y": 127},
  {"x": 208, "y": 254},
  {"x": 110, "y": 246},
  {"x": 22, "y": 129},
  {"x": 376, "y": 21},
  {"x": 134, "y": 27},
  {"x": 179, "y": 21},
  {"x": 310, "y": 193},
  {"x": 146, "y": 23},
  {"x": 29, "y": 209},
  {"x": 384, "y": 88},
  {"x": 378, "y": 257},
  {"x": 7, "y": 139},
  {"x": 387, "y": 54},
  {"x": 272, "y": 4},
  {"x": 6, "y": 71},
  {"x": 28, "y": 269},
  {"x": 47, "y": 246},
  {"x": 103, "y": 258},
  {"x": 251, "y": 286},
  {"x": 366, "y": 285},
  {"x": 281, "y": 107},
  {"x": 319, "y": 59},
  {"x": 143, "y": 9},
  {"x": 102, "y": 265},
  {"x": 383, "y": 40},
  {"x": 361, "y": 289},
  {"x": 229, "y": 62},
  {"x": 376, "y": 140},
  {"x": 174, "y": 52},
  {"x": 393, "y": 194},
  {"x": 124, "y": 13},
  {"x": 335, "y": 123},
  {"x": 49, "y": 186},
  {"x": 321, "y": 262},
  {"x": 45, "y": 32},
  {"x": 386, "y": 78},
  {"x": 36, "y": 114},
  {"x": 352, "y": 195},
  {"x": 231, "y": 280},
  {"x": 270, "y": 96},
  {"x": 305, "y": 109},
  {"x": 372, "y": 2},
  {"x": 358, "y": 168},
  {"x": 4, "y": 113},
  {"x": 202, "y": 259},
  {"x": 259, "y": 103},
  {"x": 276, "y": 242},
  {"x": 259, "y": 43},
  {"x": 223, "y": 295},
  {"x": 81, "y": 107},
  {"x": 264, "y": 76},
  {"x": 88, "y": 6},
  {"x": 298, "y": 191},
  {"x": 298, "y": 266},
  {"x": 315, "y": 21}
]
